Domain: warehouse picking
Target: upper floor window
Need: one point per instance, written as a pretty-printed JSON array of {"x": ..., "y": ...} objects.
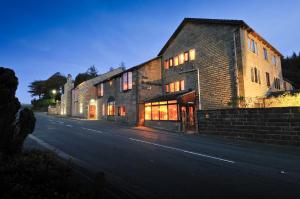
[
  {"x": 100, "y": 90},
  {"x": 126, "y": 81},
  {"x": 268, "y": 79},
  {"x": 111, "y": 108},
  {"x": 277, "y": 83},
  {"x": 265, "y": 54},
  {"x": 180, "y": 59},
  {"x": 255, "y": 75},
  {"x": 175, "y": 86},
  {"x": 252, "y": 45},
  {"x": 274, "y": 61}
]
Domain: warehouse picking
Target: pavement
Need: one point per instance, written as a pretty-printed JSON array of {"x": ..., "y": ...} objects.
[{"x": 158, "y": 164}]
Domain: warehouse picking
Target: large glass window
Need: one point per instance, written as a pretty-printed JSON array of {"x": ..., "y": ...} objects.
[
  {"x": 192, "y": 54},
  {"x": 166, "y": 110}
]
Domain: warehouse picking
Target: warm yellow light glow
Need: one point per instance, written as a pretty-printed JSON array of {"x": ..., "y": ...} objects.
[
  {"x": 181, "y": 58},
  {"x": 192, "y": 54},
  {"x": 54, "y": 91},
  {"x": 163, "y": 112},
  {"x": 176, "y": 61},
  {"x": 148, "y": 113}
]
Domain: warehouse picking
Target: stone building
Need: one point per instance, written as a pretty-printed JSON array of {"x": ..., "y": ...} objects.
[
  {"x": 121, "y": 97},
  {"x": 206, "y": 64},
  {"x": 66, "y": 97},
  {"x": 84, "y": 96},
  {"x": 212, "y": 64}
]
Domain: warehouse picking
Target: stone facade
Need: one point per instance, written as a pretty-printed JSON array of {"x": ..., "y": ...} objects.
[
  {"x": 66, "y": 98},
  {"x": 146, "y": 82},
  {"x": 85, "y": 94},
  {"x": 268, "y": 125}
]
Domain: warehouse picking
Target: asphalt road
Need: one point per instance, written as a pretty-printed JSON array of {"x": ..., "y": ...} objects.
[{"x": 169, "y": 165}]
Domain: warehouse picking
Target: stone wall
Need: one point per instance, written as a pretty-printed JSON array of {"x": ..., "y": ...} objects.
[
  {"x": 268, "y": 125},
  {"x": 214, "y": 45}
]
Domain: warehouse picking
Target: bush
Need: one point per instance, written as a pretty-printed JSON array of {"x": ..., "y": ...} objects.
[{"x": 38, "y": 175}]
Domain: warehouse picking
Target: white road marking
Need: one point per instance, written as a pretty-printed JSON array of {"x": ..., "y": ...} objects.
[
  {"x": 60, "y": 122},
  {"x": 69, "y": 125},
  {"x": 97, "y": 131},
  {"x": 182, "y": 150}
]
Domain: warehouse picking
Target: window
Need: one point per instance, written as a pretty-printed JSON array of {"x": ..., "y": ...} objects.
[
  {"x": 175, "y": 86},
  {"x": 121, "y": 111},
  {"x": 165, "y": 110},
  {"x": 100, "y": 91},
  {"x": 186, "y": 56},
  {"x": 265, "y": 54},
  {"x": 255, "y": 75},
  {"x": 170, "y": 62},
  {"x": 176, "y": 61},
  {"x": 110, "y": 82},
  {"x": 274, "y": 62},
  {"x": 126, "y": 81},
  {"x": 252, "y": 45},
  {"x": 103, "y": 109},
  {"x": 192, "y": 53},
  {"x": 268, "y": 79},
  {"x": 172, "y": 88},
  {"x": 277, "y": 83},
  {"x": 111, "y": 108},
  {"x": 80, "y": 108},
  {"x": 166, "y": 64},
  {"x": 181, "y": 58}
]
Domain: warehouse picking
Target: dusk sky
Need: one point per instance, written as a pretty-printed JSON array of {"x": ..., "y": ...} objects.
[{"x": 39, "y": 38}]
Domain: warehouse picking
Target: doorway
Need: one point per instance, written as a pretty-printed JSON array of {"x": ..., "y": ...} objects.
[
  {"x": 188, "y": 118},
  {"x": 92, "y": 112}
]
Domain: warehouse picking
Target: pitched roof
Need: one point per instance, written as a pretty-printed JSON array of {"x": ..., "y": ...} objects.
[{"x": 239, "y": 23}]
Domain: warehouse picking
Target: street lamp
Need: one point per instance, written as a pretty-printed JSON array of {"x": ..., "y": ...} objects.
[{"x": 54, "y": 92}]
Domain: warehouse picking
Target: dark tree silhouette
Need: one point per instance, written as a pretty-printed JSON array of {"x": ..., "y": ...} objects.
[{"x": 291, "y": 69}]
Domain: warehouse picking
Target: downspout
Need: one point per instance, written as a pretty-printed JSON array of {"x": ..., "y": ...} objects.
[
  {"x": 198, "y": 81},
  {"x": 236, "y": 73}
]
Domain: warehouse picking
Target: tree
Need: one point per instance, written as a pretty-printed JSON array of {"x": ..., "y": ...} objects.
[
  {"x": 92, "y": 71},
  {"x": 89, "y": 74},
  {"x": 291, "y": 69}
]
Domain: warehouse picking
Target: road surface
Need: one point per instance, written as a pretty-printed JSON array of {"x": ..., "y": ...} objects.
[{"x": 162, "y": 164}]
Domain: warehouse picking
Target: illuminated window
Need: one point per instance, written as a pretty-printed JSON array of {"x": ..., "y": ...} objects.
[
  {"x": 186, "y": 56},
  {"x": 100, "y": 91},
  {"x": 192, "y": 53},
  {"x": 80, "y": 108},
  {"x": 155, "y": 113},
  {"x": 126, "y": 81},
  {"x": 170, "y": 62},
  {"x": 148, "y": 112},
  {"x": 111, "y": 108},
  {"x": 166, "y": 64},
  {"x": 181, "y": 58},
  {"x": 182, "y": 85},
  {"x": 172, "y": 111},
  {"x": 167, "y": 88},
  {"x": 121, "y": 111},
  {"x": 176, "y": 61},
  {"x": 177, "y": 86},
  {"x": 103, "y": 109},
  {"x": 110, "y": 82},
  {"x": 172, "y": 88},
  {"x": 165, "y": 110}
]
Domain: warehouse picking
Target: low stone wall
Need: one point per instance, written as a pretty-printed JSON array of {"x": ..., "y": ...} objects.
[{"x": 268, "y": 125}]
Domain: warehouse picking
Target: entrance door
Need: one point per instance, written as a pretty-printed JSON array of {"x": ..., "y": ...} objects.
[
  {"x": 188, "y": 118},
  {"x": 92, "y": 111}
]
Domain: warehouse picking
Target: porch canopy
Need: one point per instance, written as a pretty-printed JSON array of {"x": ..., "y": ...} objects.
[{"x": 183, "y": 97}]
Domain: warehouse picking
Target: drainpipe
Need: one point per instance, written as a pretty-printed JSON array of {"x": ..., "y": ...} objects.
[
  {"x": 236, "y": 74},
  {"x": 198, "y": 81}
]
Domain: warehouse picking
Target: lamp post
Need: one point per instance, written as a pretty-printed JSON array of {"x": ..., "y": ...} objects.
[{"x": 54, "y": 94}]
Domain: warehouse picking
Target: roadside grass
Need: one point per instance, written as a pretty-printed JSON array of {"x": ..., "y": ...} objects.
[{"x": 38, "y": 174}]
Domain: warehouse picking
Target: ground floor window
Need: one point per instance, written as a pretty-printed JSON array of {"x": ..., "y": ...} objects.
[
  {"x": 111, "y": 108},
  {"x": 121, "y": 111},
  {"x": 165, "y": 110}
]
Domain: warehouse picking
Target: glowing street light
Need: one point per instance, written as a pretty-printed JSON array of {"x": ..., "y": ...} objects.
[{"x": 54, "y": 92}]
